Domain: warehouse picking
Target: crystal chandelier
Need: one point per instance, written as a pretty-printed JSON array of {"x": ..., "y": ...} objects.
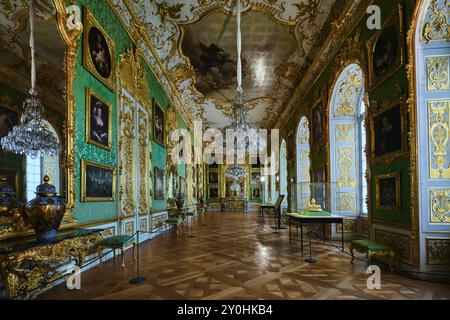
[
  {"x": 32, "y": 136},
  {"x": 254, "y": 142},
  {"x": 236, "y": 172}
]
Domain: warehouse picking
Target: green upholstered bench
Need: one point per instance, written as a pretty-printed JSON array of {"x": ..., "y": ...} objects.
[
  {"x": 371, "y": 248},
  {"x": 117, "y": 242}
]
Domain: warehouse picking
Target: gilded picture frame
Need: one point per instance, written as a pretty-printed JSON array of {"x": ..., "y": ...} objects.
[
  {"x": 318, "y": 121},
  {"x": 159, "y": 124},
  {"x": 382, "y": 111},
  {"x": 86, "y": 194},
  {"x": 387, "y": 191},
  {"x": 387, "y": 60},
  {"x": 89, "y": 134},
  {"x": 103, "y": 67}
]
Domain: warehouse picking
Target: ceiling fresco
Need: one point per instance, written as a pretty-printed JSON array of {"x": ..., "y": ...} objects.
[
  {"x": 160, "y": 26},
  {"x": 210, "y": 46},
  {"x": 15, "y": 53}
]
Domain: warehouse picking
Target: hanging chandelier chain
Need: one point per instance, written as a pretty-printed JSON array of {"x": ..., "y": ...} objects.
[{"x": 32, "y": 137}]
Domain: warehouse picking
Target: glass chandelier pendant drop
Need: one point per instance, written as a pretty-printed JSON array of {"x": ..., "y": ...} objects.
[{"x": 32, "y": 136}]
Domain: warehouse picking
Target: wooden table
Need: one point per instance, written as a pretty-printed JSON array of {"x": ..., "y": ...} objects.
[{"x": 315, "y": 218}]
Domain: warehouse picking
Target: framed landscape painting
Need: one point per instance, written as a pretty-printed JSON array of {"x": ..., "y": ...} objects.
[{"x": 98, "y": 182}]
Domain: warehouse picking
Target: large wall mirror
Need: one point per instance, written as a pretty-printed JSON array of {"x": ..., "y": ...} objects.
[{"x": 23, "y": 172}]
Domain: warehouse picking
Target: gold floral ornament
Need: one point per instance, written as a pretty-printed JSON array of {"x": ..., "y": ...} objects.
[
  {"x": 440, "y": 205},
  {"x": 438, "y": 73},
  {"x": 439, "y": 127},
  {"x": 437, "y": 26}
]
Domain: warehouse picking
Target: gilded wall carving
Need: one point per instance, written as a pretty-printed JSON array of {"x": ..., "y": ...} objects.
[
  {"x": 439, "y": 142},
  {"x": 346, "y": 202},
  {"x": 126, "y": 155},
  {"x": 349, "y": 93},
  {"x": 437, "y": 21},
  {"x": 438, "y": 73},
  {"x": 346, "y": 164},
  {"x": 440, "y": 205},
  {"x": 399, "y": 243},
  {"x": 438, "y": 251},
  {"x": 345, "y": 132}
]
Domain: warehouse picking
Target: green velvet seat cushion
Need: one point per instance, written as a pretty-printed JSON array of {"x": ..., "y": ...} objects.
[
  {"x": 370, "y": 245},
  {"x": 172, "y": 220},
  {"x": 315, "y": 214},
  {"x": 190, "y": 214},
  {"x": 116, "y": 240}
]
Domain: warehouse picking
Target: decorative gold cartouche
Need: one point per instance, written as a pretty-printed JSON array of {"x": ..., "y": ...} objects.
[{"x": 312, "y": 206}]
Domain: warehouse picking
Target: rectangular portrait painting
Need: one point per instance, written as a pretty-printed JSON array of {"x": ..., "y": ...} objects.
[{"x": 98, "y": 121}]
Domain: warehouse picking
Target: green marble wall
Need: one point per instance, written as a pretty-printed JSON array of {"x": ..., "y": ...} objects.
[
  {"x": 384, "y": 91},
  {"x": 97, "y": 211}
]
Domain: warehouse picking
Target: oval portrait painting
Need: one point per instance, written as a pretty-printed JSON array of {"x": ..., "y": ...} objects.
[
  {"x": 386, "y": 51},
  {"x": 99, "y": 52}
]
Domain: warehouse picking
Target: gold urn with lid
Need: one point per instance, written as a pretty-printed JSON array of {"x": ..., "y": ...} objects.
[
  {"x": 9, "y": 206},
  {"x": 45, "y": 212}
]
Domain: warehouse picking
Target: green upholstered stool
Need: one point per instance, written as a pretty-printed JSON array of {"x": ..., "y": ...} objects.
[
  {"x": 173, "y": 220},
  {"x": 117, "y": 242},
  {"x": 371, "y": 248}
]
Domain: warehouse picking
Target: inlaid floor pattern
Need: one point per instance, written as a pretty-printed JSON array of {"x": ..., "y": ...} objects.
[{"x": 234, "y": 256}]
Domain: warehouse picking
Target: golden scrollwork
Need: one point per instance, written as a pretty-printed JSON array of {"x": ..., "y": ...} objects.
[
  {"x": 437, "y": 25},
  {"x": 70, "y": 37},
  {"x": 438, "y": 251},
  {"x": 25, "y": 280},
  {"x": 439, "y": 136},
  {"x": 440, "y": 205},
  {"x": 345, "y": 132},
  {"x": 345, "y": 159},
  {"x": 143, "y": 139},
  {"x": 438, "y": 73},
  {"x": 346, "y": 202},
  {"x": 126, "y": 153}
]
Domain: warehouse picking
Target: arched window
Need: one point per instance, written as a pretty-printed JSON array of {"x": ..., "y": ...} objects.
[
  {"x": 432, "y": 119},
  {"x": 283, "y": 173},
  {"x": 347, "y": 144},
  {"x": 303, "y": 164},
  {"x": 37, "y": 168}
]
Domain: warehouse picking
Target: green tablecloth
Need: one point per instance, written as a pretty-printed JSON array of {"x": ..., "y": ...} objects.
[{"x": 315, "y": 214}]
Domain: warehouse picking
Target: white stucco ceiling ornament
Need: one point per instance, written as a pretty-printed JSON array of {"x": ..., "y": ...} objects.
[{"x": 162, "y": 26}]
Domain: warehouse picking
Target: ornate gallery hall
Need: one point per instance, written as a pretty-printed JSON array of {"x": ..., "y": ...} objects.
[{"x": 224, "y": 150}]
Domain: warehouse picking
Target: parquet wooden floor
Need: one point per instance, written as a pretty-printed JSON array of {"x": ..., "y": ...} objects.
[{"x": 237, "y": 257}]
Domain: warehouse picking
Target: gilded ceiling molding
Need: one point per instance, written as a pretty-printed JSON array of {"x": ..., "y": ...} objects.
[
  {"x": 158, "y": 24},
  {"x": 341, "y": 29}
]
